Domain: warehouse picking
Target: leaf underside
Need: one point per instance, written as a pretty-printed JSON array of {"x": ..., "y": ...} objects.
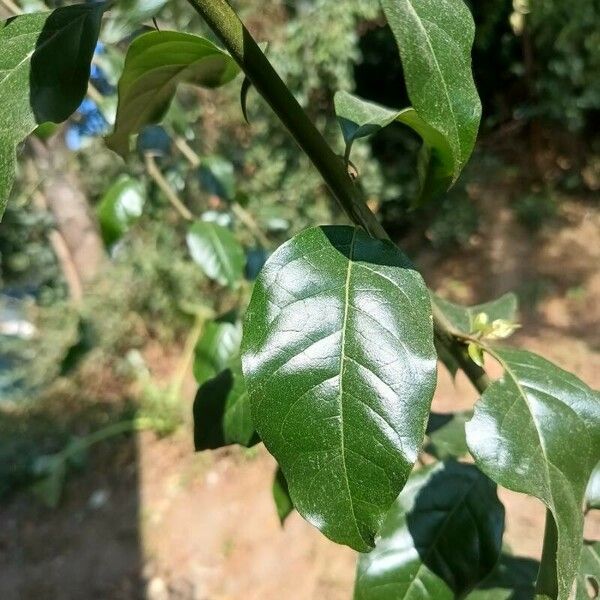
[
  {"x": 339, "y": 361},
  {"x": 156, "y": 63}
]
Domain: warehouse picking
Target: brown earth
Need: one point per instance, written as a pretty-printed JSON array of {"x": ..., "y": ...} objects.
[{"x": 151, "y": 519}]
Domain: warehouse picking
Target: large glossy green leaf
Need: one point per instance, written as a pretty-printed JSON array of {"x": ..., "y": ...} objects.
[
  {"x": 537, "y": 431},
  {"x": 156, "y": 63},
  {"x": 588, "y": 579},
  {"x": 512, "y": 579},
  {"x": 219, "y": 343},
  {"x": 120, "y": 207},
  {"x": 592, "y": 493},
  {"x": 222, "y": 411},
  {"x": 340, "y": 366},
  {"x": 359, "y": 118},
  {"x": 44, "y": 71},
  {"x": 446, "y": 435},
  {"x": 217, "y": 252},
  {"x": 435, "y": 38},
  {"x": 441, "y": 538}
]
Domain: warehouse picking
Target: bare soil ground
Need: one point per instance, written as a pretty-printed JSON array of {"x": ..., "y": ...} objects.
[{"x": 151, "y": 519}]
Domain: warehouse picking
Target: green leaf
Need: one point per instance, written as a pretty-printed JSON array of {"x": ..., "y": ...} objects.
[
  {"x": 217, "y": 252},
  {"x": 281, "y": 496},
  {"x": 446, "y": 433},
  {"x": 340, "y": 366},
  {"x": 120, "y": 207},
  {"x": 156, "y": 63},
  {"x": 435, "y": 38},
  {"x": 222, "y": 411},
  {"x": 359, "y": 118},
  {"x": 441, "y": 538},
  {"x": 592, "y": 493},
  {"x": 512, "y": 579},
  {"x": 589, "y": 572},
  {"x": 475, "y": 352},
  {"x": 462, "y": 318},
  {"x": 44, "y": 72},
  {"x": 219, "y": 343},
  {"x": 537, "y": 431}
]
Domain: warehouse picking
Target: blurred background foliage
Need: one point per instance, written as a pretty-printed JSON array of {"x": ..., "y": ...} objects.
[{"x": 536, "y": 64}]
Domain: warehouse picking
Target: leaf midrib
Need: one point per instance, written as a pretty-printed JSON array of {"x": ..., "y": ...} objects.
[
  {"x": 457, "y": 159},
  {"x": 342, "y": 369},
  {"x": 227, "y": 268}
]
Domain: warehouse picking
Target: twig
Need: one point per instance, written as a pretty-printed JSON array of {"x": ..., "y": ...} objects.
[
  {"x": 11, "y": 7},
  {"x": 187, "y": 152},
  {"x": 168, "y": 191}
]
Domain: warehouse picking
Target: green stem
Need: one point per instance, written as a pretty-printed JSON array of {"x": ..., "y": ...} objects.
[
  {"x": 224, "y": 21},
  {"x": 547, "y": 584}
]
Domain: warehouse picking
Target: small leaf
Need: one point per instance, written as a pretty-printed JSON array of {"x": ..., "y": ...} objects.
[
  {"x": 440, "y": 539},
  {"x": 156, "y": 63},
  {"x": 435, "y": 40},
  {"x": 592, "y": 493},
  {"x": 120, "y": 207},
  {"x": 512, "y": 579},
  {"x": 359, "y": 118},
  {"x": 446, "y": 433},
  {"x": 537, "y": 431},
  {"x": 44, "y": 72},
  {"x": 281, "y": 496},
  {"x": 588, "y": 578},
  {"x": 463, "y": 318},
  {"x": 219, "y": 343},
  {"x": 340, "y": 366},
  {"x": 475, "y": 352},
  {"x": 222, "y": 411},
  {"x": 217, "y": 252}
]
